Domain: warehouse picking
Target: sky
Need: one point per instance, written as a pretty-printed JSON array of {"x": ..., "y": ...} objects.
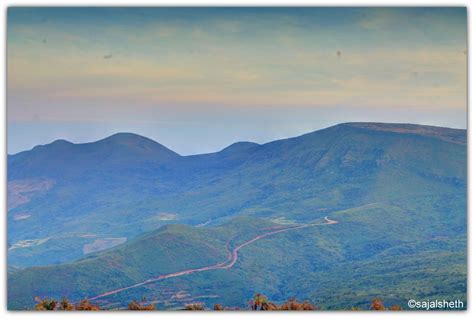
[{"x": 199, "y": 79}]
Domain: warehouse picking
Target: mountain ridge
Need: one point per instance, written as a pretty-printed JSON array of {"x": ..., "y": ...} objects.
[
  {"x": 128, "y": 192},
  {"x": 398, "y": 193},
  {"x": 119, "y": 137}
]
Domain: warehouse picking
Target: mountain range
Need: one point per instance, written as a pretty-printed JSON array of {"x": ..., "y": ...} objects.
[{"x": 85, "y": 219}]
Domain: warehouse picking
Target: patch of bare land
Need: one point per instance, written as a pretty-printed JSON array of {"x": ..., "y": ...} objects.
[
  {"x": 167, "y": 216},
  {"x": 204, "y": 224},
  {"x": 180, "y": 295},
  {"x": 22, "y": 191},
  {"x": 283, "y": 221},
  {"x": 21, "y": 216},
  {"x": 102, "y": 244},
  {"x": 28, "y": 243}
]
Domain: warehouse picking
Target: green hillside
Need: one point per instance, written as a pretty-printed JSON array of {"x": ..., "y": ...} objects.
[
  {"x": 122, "y": 186},
  {"x": 397, "y": 191},
  {"x": 394, "y": 250}
]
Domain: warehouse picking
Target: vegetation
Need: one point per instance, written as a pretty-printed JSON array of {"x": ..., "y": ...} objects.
[
  {"x": 64, "y": 305},
  {"x": 194, "y": 306},
  {"x": 126, "y": 182},
  {"x": 135, "y": 305},
  {"x": 359, "y": 258},
  {"x": 399, "y": 197},
  {"x": 259, "y": 302}
]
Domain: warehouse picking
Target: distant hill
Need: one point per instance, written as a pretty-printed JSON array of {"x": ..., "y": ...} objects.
[
  {"x": 397, "y": 190},
  {"x": 121, "y": 186},
  {"x": 62, "y": 159}
]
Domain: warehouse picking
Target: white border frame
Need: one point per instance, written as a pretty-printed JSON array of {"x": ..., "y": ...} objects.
[{"x": 3, "y": 138}]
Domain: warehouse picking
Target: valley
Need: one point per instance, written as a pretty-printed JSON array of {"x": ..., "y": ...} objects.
[{"x": 127, "y": 218}]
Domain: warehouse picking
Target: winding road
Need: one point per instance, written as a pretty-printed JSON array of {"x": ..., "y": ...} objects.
[{"x": 229, "y": 263}]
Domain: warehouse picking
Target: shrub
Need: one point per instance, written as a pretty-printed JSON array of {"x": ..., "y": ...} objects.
[
  {"x": 64, "y": 305},
  {"x": 135, "y": 305},
  {"x": 260, "y": 302},
  {"x": 85, "y": 304},
  {"x": 194, "y": 306},
  {"x": 45, "y": 304}
]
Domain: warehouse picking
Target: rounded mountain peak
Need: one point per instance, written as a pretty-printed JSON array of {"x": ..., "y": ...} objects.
[
  {"x": 135, "y": 142},
  {"x": 240, "y": 146}
]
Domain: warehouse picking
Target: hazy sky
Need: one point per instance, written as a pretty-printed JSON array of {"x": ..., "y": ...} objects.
[{"x": 198, "y": 79}]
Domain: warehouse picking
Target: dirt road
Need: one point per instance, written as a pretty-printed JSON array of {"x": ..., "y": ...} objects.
[{"x": 229, "y": 263}]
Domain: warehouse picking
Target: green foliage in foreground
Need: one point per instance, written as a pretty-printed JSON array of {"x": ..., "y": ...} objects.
[{"x": 259, "y": 302}]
